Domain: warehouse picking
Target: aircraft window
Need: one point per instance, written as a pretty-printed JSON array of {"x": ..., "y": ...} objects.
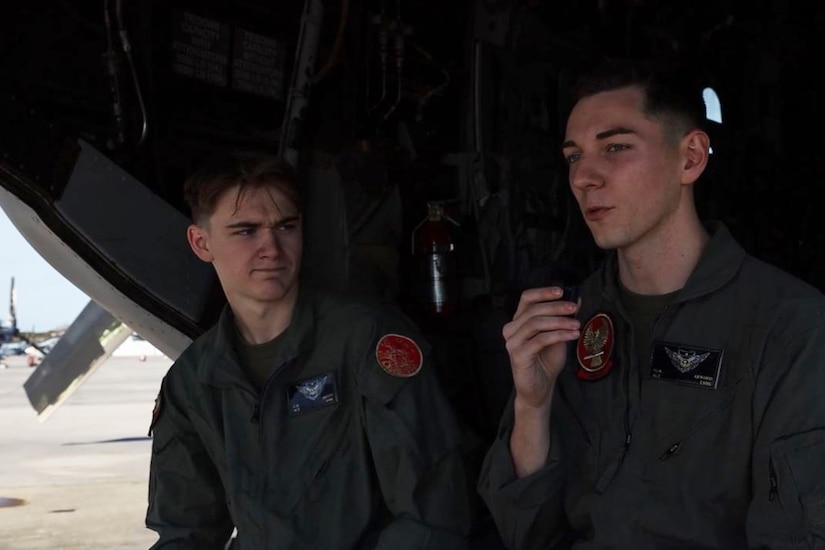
[{"x": 713, "y": 108}]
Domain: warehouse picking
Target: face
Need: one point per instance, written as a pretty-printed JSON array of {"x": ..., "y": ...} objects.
[
  {"x": 255, "y": 246},
  {"x": 627, "y": 177}
]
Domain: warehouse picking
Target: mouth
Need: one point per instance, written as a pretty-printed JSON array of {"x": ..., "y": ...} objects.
[
  {"x": 269, "y": 270},
  {"x": 596, "y": 213}
]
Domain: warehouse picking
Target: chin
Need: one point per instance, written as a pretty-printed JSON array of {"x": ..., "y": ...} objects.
[
  {"x": 279, "y": 291},
  {"x": 605, "y": 242},
  {"x": 610, "y": 240}
]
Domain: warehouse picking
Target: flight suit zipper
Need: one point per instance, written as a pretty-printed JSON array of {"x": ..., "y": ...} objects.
[
  {"x": 256, "y": 420},
  {"x": 774, "y": 492},
  {"x": 631, "y": 359},
  {"x": 259, "y": 402},
  {"x": 672, "y": 450},
  {"x": 628, "y": 436},
  {"x": 258, "y": 407}
]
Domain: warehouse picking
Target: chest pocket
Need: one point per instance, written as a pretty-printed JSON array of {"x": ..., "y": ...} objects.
[
  {"x": 687, "y": 420},
  {"x": 685, "y": 439},
  {"x": 309, "y": 444},
  {"x": 796, "y": 465},
  {"x": 697, "y": 442}
]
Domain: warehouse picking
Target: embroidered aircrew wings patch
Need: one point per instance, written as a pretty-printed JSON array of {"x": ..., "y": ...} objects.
[{"x": 399, "y": 355}]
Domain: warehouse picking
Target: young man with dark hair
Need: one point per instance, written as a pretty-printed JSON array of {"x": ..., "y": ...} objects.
[
  {"x": 301, "y": 419},
  {"x": 678, "y": 403}
]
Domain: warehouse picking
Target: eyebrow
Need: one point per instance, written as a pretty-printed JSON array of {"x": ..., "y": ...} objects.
[
  {"x": 617, "y": 131},
  {"x": 252, "y": 225}
]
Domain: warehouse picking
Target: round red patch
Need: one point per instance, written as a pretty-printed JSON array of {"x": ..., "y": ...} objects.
[
  {"x": 595, "y": 347},
  {"x": 399, "y": 355}
]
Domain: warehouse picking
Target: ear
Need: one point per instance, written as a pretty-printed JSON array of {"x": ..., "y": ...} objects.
[
  {"x": 695, "y": 151},
  {"x": 198, "y": 238}
]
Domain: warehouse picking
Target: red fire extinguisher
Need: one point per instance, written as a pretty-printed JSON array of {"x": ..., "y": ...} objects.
[{"x": 434, "y": 253}]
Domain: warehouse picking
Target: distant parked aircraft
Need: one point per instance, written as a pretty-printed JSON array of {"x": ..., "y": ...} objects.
[
  {"x": 12, "y": 341},
  {"x": 36, "y": 354},
  {"x": 12, "y": 348},
  {"x": 8, "y": 328}
]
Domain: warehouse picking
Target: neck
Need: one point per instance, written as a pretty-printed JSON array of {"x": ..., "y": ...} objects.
[
  {"x": 662, "y": 262},
  {"x": 261, "y": 322}
]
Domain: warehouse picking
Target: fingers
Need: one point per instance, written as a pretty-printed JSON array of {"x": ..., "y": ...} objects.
[
  {"x": 523, "y": 351},
  {"x": 542, "y": 320},
  {"x": 534, "y": 296},
  {"x": 539, "y": 302},
  {"x": 540, "y": 331}
]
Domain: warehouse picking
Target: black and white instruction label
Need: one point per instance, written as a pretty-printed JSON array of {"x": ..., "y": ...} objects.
[
  {"x": 258, "y": 64},
  {"x": 200, "y": 48}
]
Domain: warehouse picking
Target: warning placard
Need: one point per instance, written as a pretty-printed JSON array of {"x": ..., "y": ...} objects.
[
  {"x": 258, "y": 64},
  {"x": 200, "y": 48}
]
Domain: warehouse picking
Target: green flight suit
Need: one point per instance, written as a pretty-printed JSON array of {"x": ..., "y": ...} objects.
[
  {"x": 334, "y": 452},
  {"x": 717, "y": 441}
]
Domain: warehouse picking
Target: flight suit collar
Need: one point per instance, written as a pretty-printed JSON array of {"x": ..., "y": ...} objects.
[
  {"x": 720, "y": 262},
  {"x": 222, "y": 366},
  {"x": 718, "y": 265}
]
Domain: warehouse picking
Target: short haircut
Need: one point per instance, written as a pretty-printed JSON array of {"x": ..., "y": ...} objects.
[
  {"x": 671, "y": 89},
  {"x": 203, "y": 189}
]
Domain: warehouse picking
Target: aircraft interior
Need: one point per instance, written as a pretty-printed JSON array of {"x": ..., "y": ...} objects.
[{"x": 394, "y": 112}]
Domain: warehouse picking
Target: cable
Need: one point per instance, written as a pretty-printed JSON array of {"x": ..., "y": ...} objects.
[
  {"x": 114, "y": 81},
  {"x": 127, "y": 49},
  {"x": 336, "y": 48},
  {"x": 298, "y": 93},
  {"x": 427, "y": 97},
  {"x": 399, "y": 62}
]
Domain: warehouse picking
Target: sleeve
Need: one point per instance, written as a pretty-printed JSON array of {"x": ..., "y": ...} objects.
[
  {"x": 416, "y": 448},
  {"x": 187, "y": 505},
  {"x": 528, "y": 512},
  {"x": 787, "y": 509}
]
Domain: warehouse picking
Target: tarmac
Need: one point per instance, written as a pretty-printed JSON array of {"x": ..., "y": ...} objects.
[{"x": 78, "y": 480}]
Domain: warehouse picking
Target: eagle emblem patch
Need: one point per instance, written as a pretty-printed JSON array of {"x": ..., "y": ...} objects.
[
  {"x": 595, "y": 348},
  {"x": 685, "y": 360}
]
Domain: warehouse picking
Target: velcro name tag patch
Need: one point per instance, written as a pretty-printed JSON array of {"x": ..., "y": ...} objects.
[
  {"x": 312, "y": 393},
  {"x": 688, "y": 365}
]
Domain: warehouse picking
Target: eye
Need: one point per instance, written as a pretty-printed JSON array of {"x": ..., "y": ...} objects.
[
  {"x": 287, "y": 226},
  {"x": 614, "y": 147},
  {"x": 571, "y": 158},
  {"x": 244, "y": 232}
]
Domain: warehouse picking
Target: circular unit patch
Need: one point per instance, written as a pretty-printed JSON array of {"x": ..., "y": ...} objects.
[
  {"x": 399, "y": 355},
  {"x": 595, "y": 347}
]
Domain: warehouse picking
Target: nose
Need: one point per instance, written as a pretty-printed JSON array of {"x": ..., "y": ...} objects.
[
  {"x": 269, "y": 246},
  {"x": 586, "y": 173}
]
